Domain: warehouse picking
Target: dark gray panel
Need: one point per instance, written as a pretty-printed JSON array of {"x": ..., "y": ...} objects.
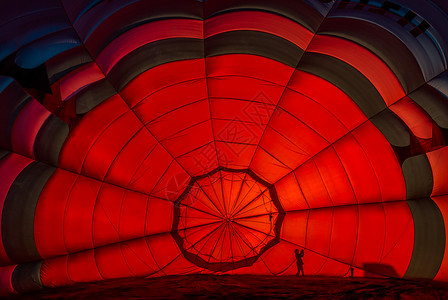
[
  {"x": 3, "y": 153},
  {"x": 345, "y": 77},
  {"x": 66, "y": 62},
  {"x": 429, "y": 239},
  {"x": 154, "y": 54},
  {"x": 26, "y": 277},
  {"x": 256, "y": 43},
  {"x": 381, "y": 42},
  {"x": 298, "y": 11},
  {"x": 433, "y": 102},
  {"x": 139, "y": 13},
  {"x": 18, "y": 212},
  {"x": 392, "y": 127},
  {"x": 93, "y": 95},
  {"x": 49, "y": 140},
  {"x": 418, "y": 177}
]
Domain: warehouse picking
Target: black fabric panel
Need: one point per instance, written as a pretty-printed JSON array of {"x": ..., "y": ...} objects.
[
  {"x": 154, "y": 54},
  {"x": 3, "y": 153},
  {"x": 18, "y": 212},
  {"x": 12, "y": 100},
  {"x": 392, "y": 127},
  {"x": 347, "y": 78},
  {"x": 50, "y": 139},
  {"x": 418, "y": 177},
  {"x": 381, "y": 42},
  {"x": 298, "y": 11},
  {"x": 254, "y": 42},
  {"x": 433, "y": 102},
  {"x": 66, "y": 62},
  {"x": 429, "y": 239},
  {"x": 26, "y": 277},
  {"x": 140, "y": 13},
  {"x": 93, "y": 95},
  {"x": 35, "y": 78}
]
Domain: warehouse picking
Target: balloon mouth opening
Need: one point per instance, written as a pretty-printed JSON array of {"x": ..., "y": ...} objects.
[{"x": 226, "y": 219}]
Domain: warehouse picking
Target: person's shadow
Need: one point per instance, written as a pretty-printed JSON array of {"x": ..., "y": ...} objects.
[{"x": 299, "y": 261}]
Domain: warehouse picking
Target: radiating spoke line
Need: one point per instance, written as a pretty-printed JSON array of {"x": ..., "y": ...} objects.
[
  {"x": 239, "y": 194},
  {"x": 250, "y": 202},
  {"x": 223, "y": 197},
  {"x": 215, "y": 209},
  {"x": 209, "y": 235},
  {"x": 262, "y": 204},
  {"x": 216, "y": 197},
  {"x": 202, "y": 211},
  {"x": 261, "y": 241},
  {"x": 255, "y": 184},
  {"x": 216, "y": 243}
]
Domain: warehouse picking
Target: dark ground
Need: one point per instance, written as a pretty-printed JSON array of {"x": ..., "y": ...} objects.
[{"x": 247, "y": 287}]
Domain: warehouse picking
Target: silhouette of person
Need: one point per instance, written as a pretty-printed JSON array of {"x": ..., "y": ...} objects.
[{"x": 299, "y": 261}]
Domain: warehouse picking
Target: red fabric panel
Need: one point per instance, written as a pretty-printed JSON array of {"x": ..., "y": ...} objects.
[
  {"x": 313, "y": 188},
  {"x": 267, "y": 166},
  {"x": 344, "y": 233},
  {"x": 439, "y": 162},
  {"x": 172, "y": 183},
  {"x": 139, "y": 258},
  {"x": 79, "y": 78},
  {"x": 371, "y": 66},
  {"x": 111, "y": 262},
  {"x": 189, "y": 139},
  {"x": 82, "y": 267},
  {"x": 383, "y": 161},
  {"x": 10, "y": 168},
  {"x": 159, "y": 216},
  {"x": 50, "y": 212},
  {"x": 106, "y": 217},
  {"x": 165, "y": 251},
  {"x": 334, "y": 268},
  {"x": 399, "y": 239},
  {"x": 259, "y": 21},
  {"x": 83, "y": 136},
  {"x": 314, "y": 115},
  {"x": 5, "y": 280},
  {"x": 414, "y": 116},
  {"x": 281, "y": 147},
  {"x": 302, "y": 140},
  {"x": 78, "y": 218},
  {"x": 319, "y": 231},
  {"x": 294, "y": 229},
  {"x": 329, "y": 97},
  {"x": 280, "y": 258},
  {"x": 132, "y": 157},
  {"x": 359, "y": 169},
  {"x": 161, "y": 77},
  {"x": 442, "y": 203},
  {"x": 167, "y": 100},
  {"x": 250, "y": 66},
  {"x": 236, "y": 156},
  {"x": 54, "y": 272},
  {"x": 371, "y": 234},
  {"x": 109, "y": 144},
  {"x": 180, "y": 119},
  {"x": 133, "y": 215},
  {"x": 290, "y": 194},
  {"x": 334, "y": 178},
  {"x": 26, "y": 126},
  {"x": 145, "y": 34},
  {"x": 148, "y": 174}
]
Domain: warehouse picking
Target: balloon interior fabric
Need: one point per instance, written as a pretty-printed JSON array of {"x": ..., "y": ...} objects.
[{"x": 152, "y": 138}]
